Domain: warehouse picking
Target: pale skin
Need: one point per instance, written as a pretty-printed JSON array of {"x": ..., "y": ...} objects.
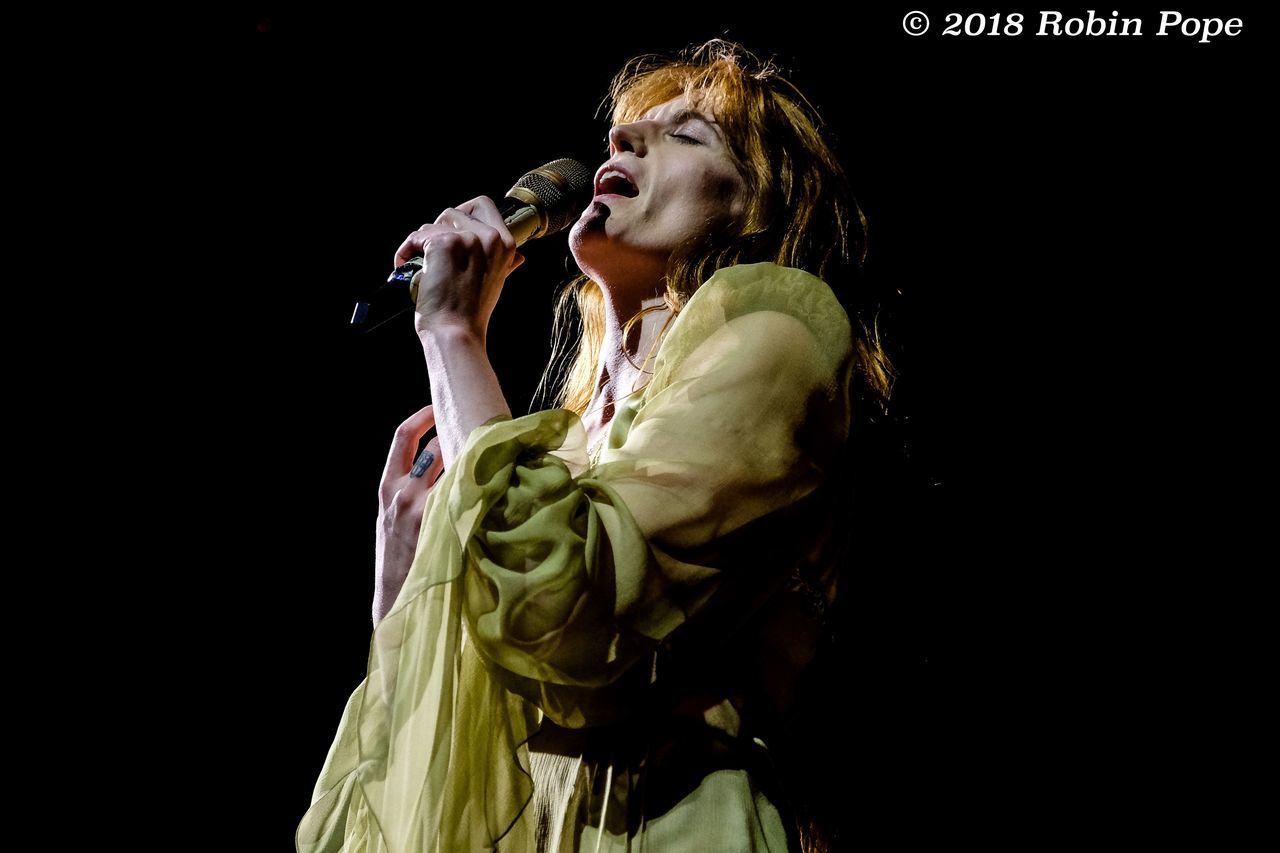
[{"x": 686, "y": 184}]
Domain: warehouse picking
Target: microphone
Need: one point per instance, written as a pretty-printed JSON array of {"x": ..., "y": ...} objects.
[{"x": 545, "y": 201}]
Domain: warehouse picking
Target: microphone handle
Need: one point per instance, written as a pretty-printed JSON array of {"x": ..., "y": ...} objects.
[{"x": 523, "y": 221}]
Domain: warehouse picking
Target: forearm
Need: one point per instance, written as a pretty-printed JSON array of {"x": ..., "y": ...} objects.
[{"x": 464, "y": 389}]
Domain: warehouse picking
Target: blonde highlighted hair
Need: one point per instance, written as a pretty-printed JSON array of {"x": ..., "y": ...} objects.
[{"x": 800, "y": 211}]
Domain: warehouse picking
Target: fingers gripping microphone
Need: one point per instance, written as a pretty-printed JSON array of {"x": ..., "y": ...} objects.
[{"x": 543, "y": 202}]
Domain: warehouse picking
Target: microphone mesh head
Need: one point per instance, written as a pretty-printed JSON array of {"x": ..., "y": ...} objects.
[{"x": 563, "y": 188}]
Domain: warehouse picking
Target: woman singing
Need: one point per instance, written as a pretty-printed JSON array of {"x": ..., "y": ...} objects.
[{"x": 591, "y": 619}]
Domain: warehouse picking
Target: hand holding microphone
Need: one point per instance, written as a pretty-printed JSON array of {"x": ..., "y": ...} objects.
[
  {"x": 466, "y": 256},
  {"x": 452, "y": 270}
]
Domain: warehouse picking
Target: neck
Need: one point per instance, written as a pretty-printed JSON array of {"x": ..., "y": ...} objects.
[{"x": 617, "y": 374}]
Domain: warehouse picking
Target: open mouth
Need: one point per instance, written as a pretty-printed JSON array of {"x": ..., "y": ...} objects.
[{"x": 616, "y": 183}]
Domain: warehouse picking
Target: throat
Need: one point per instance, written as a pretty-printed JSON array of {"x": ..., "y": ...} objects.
[{"x": 598, "y": 423}]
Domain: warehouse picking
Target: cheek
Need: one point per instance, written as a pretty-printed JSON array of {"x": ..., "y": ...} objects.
[
  {"x": 693, "y": 196},
  {"x": 726, "y": 194}
]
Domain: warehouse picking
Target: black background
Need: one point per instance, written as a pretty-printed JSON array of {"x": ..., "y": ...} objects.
[{"x": 1066, "y": 221}]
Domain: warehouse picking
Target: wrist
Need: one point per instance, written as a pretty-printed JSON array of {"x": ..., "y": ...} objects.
[
  {"x": 451, "y": 331},
  {"x": 393, "y": 560}
]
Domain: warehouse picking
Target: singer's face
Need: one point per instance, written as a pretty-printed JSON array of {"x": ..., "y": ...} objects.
[{"x": 684, "y": 184}]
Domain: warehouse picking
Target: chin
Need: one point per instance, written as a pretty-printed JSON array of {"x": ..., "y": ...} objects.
[
  {"x": 589, "y": 244},
  {"x": 589, "y": 262},
  {"x": 604, "y": 256}
]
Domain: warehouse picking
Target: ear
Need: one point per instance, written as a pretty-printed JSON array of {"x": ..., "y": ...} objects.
[{"x": 738, "y": 206}]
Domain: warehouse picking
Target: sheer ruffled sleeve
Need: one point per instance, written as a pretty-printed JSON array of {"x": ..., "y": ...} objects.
[{"x": 544, "y": 582}]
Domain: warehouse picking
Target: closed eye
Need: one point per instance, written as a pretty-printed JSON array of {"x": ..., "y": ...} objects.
[{"x": 689, "y": 140}]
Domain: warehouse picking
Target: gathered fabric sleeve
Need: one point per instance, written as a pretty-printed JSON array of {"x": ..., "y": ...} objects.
[{"x": 545, "y": 582}]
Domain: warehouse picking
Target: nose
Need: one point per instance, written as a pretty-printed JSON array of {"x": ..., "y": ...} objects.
[{"x": 627, "y": 137}]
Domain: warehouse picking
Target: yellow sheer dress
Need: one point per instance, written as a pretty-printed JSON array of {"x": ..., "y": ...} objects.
[{"x": 591, "y": 647}]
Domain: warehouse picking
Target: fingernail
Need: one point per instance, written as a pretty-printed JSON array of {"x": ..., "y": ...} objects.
[{"x": 425, "y": 458}]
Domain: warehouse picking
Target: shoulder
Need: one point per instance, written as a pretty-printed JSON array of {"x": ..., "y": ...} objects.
[{"x": 777, "y": 306}]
